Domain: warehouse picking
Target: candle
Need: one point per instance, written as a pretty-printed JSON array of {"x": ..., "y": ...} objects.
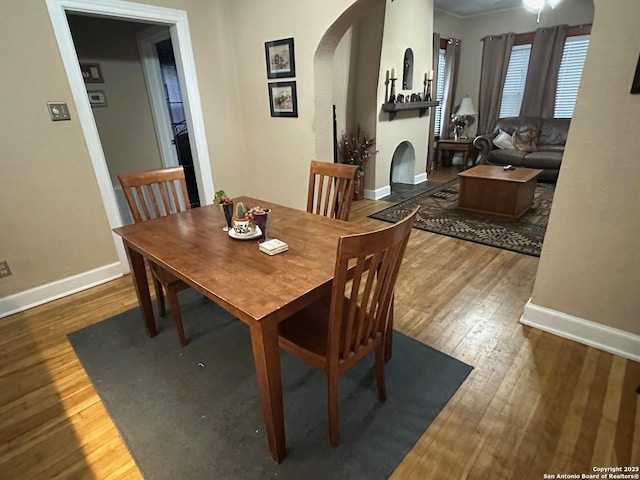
[
  {"x": 387, "y": 77},
  {"x": 426, "y": 77},
  {"x": 393, "y": 73}
]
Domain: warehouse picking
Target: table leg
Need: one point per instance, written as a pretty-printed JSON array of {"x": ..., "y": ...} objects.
[
  {"x": 439, "y": 159},
  {"x": 266, "y": 356},
  {"x": 141, "y": 285}
]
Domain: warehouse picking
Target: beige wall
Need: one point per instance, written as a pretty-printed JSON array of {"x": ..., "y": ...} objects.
[
  {"x": 279, "y": 149},
  {"x": 125, "y": 126},
  {"x": 590, "y": 264},
  {"x": 53, "y": 223},
  {"x": 368, "y": 68},
  {"x": 407, "y": 24}
]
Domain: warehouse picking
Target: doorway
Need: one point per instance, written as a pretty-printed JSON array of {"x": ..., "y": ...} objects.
[
  {"x": 176, "y": 21},
  {"x": 166, "y": 99}
]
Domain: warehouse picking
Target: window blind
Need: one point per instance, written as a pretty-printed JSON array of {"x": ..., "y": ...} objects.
[
  {"x": 515, "y": 80},
  {"x": 571, "y": 65},
  {"x": 439, "y": 89}
]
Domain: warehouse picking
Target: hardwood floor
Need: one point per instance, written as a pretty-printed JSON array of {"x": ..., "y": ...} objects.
[{"x": 534, "y": 403}]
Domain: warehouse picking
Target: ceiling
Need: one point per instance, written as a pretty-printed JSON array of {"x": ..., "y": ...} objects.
[{"x": 465, "y": 8}]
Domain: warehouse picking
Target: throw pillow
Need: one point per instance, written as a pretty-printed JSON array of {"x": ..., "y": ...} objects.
[
  {"x": 503, "y": 140},
  {"x": 525, "y": 141}
]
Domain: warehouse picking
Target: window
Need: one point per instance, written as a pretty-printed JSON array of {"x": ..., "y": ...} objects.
[
  {"x": 439, "y": 89},
  {"x": 573, "y": 57},
  {"x": 515, "y": 80},
  {"x": 569, "y": 75}
]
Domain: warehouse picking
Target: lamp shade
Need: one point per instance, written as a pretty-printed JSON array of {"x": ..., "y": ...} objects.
[{"x": 466, "y": 107}]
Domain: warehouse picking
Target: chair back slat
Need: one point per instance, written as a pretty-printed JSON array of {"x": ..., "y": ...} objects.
[
  {"x": 330, "y": 190},
  {"x": 155, "y": 193},
  {"x": 367, "y": 267}
]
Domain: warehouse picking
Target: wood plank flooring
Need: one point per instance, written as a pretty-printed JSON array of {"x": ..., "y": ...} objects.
[{"x": 534, "y": 403}]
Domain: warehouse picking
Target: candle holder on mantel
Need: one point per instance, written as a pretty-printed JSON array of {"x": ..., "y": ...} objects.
[
  {"x": 427, "y": 90},
  {"x": 392, "y": 95}
]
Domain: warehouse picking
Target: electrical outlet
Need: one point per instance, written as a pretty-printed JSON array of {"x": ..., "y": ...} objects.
[{"x": 4, "y": 269}]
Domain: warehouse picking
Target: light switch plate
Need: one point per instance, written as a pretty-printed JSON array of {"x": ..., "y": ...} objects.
[{"x": 58, "y": 111}]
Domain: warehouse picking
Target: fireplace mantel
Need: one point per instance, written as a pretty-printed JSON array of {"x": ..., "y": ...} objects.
[{"x": 393, "y": 108}]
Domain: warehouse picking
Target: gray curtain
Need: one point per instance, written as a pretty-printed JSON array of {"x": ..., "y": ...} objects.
[
  {"x": 432, "y": 111},
  {"x": 450, "y": 73},
  {"x": 539, "y": 95},
  {"x": 496, "y": 52}
]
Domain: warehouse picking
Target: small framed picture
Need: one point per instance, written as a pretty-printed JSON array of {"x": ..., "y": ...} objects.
[
  {"x": 280, "y": 58},
  {"x": 283, "y": 99},
  {"x": 91, "y": 73},
  {"x": 97, "y": 98}
]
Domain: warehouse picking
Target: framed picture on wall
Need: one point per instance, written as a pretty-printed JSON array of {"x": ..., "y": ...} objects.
[
  {"x": 280, "y": 58},
  {"x": 91, "y": 73},
  {"x": 283, "y": 99}
]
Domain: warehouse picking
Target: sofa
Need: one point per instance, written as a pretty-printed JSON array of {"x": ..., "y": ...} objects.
[{"x": 529, "y": 142}]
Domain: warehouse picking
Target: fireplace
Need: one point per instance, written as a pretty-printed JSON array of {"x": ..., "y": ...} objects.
[{"x": 403, "y": 164}]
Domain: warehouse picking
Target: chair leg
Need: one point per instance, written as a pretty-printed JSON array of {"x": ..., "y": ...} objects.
[
  {"x": 380, "y": 363},
  {"x": 334, "y": 416},
  {"x": 159, "y": 297},
  {"x": 172, "y": 297}
]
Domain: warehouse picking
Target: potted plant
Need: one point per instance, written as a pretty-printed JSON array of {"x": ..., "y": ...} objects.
[
  {"x": 226, "y": 205},
  {"x": 356, "y": 148}
]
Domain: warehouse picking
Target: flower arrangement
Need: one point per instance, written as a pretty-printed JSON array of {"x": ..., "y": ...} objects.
[
  {"x": 220, "y": 198},
  {"x": 458, "y": 124},
  {"x": 356, "y": 149}
]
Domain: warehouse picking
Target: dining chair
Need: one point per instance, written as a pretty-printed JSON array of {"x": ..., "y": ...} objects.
[
  {"x": 157, "y": 193},
  {"x": 331, "y": 188},
  {"x": 337, "y": 332}
]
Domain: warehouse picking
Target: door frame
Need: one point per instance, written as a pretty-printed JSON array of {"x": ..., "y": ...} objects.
[
  {"x": 178, "y": 25},
  {"x": 147, "y": 40}
]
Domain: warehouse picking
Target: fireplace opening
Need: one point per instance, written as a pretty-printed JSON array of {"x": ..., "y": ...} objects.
[{"x": 402, "y": 165}]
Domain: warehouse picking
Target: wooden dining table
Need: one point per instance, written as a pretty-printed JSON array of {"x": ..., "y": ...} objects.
[{"x": 258, "y": 289}]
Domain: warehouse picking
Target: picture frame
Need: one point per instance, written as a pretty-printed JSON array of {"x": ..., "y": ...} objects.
[
  {"x": 283, "y": 99},
  {"x": 280, "y": 58},
  {"x": 635, "y": 85},
  {"x": 97, "y": 98},
  {"x": 91, "y": 73}
]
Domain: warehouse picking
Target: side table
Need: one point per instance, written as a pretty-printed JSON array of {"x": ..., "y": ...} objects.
[{"x": 464, "y": 146}]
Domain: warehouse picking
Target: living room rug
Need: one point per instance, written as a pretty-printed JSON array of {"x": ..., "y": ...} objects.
[
  {"x": 439, "y": 214},
  {"x": 194, "y": 412}
]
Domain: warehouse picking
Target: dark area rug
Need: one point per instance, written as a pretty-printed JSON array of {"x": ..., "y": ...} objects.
[
  {"x": 403, "y": 191},
  {"x": 439, "y": 214},
  {"x": 194, "y": 412}
]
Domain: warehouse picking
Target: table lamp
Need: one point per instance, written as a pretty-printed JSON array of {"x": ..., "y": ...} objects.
[{"x": 466, "y": 113}]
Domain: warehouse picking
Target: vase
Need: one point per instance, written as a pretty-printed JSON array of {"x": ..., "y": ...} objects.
[
  {"x": 358, "y": 192},
  {"x": 227, "y": 211},
  {"x": 262, "y": 220}
]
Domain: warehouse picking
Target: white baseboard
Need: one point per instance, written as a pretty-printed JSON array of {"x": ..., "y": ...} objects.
[
  {"x": 378, "y": 193},
  {"x": 60, "y": 288},
  {"x": 386, "y": 190},
  {"x": 583, "y": 331}
]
